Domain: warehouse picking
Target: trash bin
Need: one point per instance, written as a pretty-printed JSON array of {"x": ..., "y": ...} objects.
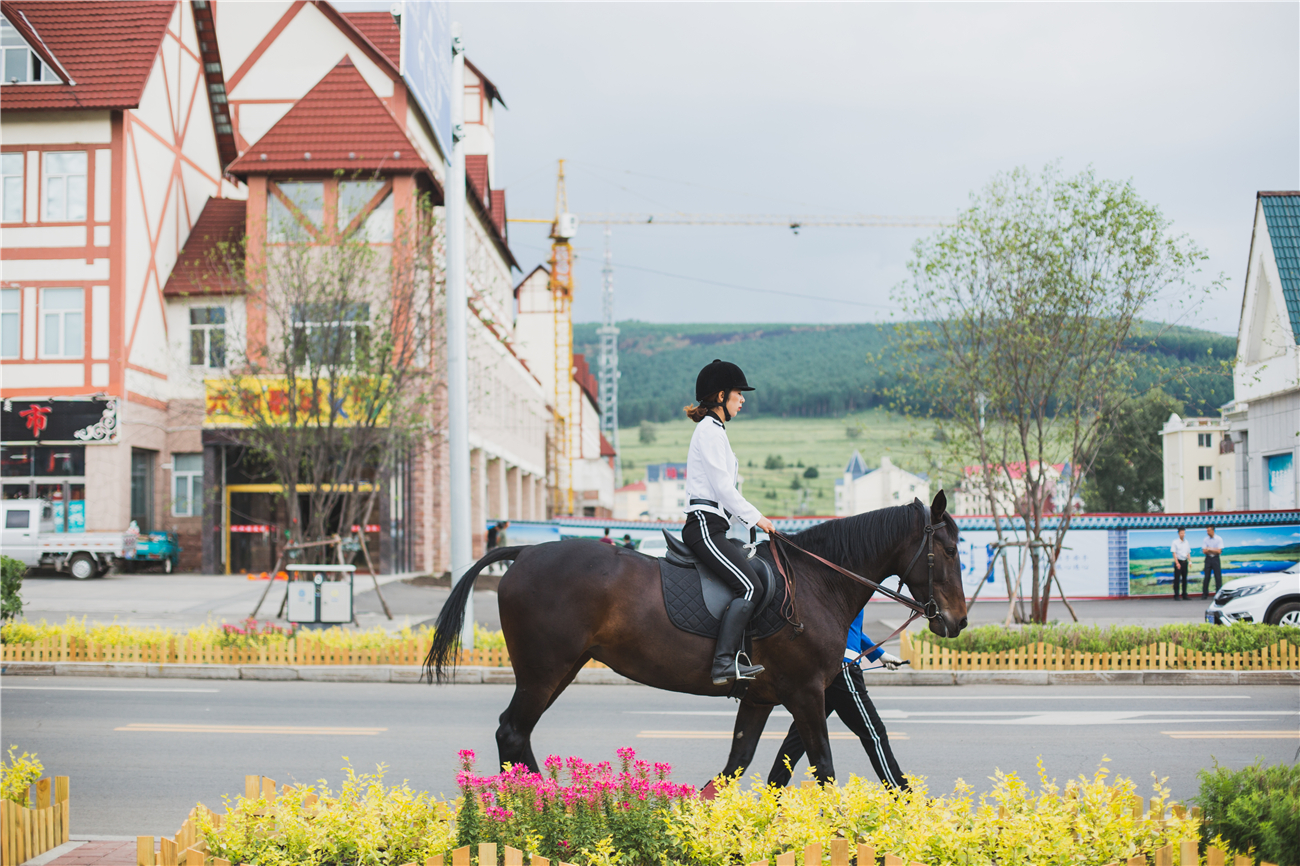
[{"x": 320, "y": 593}]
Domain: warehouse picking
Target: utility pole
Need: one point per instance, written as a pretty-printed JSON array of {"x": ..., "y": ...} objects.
[
  {"x": 462, "y": 539},
  {"x": 609, "y": 361}
]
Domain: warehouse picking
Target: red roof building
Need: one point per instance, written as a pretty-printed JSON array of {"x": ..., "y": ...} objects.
[{"x": 199, "y": 267}]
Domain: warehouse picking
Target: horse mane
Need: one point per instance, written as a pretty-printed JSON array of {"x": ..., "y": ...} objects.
[{"x": 861, "y": 538}]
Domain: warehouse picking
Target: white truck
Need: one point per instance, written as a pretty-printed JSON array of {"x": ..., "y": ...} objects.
[{"x": 29, "y": 536}]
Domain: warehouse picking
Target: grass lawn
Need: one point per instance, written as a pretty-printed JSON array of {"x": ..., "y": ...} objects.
[{"x": 801, "y": 442}]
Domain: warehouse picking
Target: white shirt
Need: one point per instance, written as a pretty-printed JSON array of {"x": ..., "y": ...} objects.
[
  {"x": 1181, "y": 549},
  {"x": 1211, "y": 545},
  {"x": 712, "y": 472}
]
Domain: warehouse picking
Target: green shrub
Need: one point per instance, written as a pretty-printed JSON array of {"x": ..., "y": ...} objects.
[
  {"x": 1255, "y": 809},
  {"x": 1199, "y": 637},
  {"x": 810, "y": 472},
  {"x": 11, "y": 583},
  {"x": 17, "y": 775},
  {"x": 774, "y": 461}
]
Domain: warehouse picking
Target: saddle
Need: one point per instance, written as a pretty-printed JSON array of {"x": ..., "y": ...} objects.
[{"x": 696, "y": 598}]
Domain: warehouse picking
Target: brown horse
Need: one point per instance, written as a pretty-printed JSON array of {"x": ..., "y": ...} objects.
[{"x": 566, "y": 602}]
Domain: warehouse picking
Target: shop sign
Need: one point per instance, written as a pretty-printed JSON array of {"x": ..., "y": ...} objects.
[
  {"x": 253, "y": 401},
  {"x": 59, "y": 421}
]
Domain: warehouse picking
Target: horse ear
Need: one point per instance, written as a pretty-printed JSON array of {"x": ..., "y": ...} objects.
[{"x": 938, "y": 507}]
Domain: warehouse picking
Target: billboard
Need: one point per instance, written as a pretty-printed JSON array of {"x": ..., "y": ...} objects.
[
  {"x": 1246, "y": 550},
  {"x": 1082, "y": 566},
  {"x": 426, "y": 63}
]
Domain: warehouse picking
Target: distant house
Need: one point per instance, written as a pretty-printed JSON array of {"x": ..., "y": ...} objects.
[
  {"x": 665, "y": 492},
  {"x": 1263, "y": 420},
  {"x": 861, "y": 489},
  {"x": 630, "y": 502},
  {"x": 1011, "y": 488},
  {"x": 1198, "y": 468}
]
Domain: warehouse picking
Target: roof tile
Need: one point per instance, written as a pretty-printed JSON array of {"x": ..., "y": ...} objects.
[
  {"x": 1282, "y": 213},
  {"x": 198, "y": 268},
  {"x": 382, "y": 30}
]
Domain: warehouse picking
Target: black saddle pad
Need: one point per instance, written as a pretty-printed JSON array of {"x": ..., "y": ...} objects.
[{"x": 689, "y": 611}]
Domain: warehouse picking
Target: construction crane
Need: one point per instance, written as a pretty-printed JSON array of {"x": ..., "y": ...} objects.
[{"x": 563, "y": 228}]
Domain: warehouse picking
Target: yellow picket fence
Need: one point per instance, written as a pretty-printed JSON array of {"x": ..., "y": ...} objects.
[
  {"x": 925, "y": 655},
  {"x": 27, "y": 833}
]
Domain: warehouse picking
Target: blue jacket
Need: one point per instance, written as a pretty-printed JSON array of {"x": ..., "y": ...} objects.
[{"x": 858, "y": 641}]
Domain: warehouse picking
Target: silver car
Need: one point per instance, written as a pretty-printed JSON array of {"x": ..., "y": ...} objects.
[{"x": 1270, "y": 598}]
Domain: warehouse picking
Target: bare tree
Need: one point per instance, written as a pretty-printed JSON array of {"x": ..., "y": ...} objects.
[{"x": 1026, "y": 338}]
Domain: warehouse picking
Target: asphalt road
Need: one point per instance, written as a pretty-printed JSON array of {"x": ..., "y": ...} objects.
[{"x": 141, "y": 752}]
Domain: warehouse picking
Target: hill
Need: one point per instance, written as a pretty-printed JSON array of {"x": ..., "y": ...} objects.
[{"x": 822, "y": 370}]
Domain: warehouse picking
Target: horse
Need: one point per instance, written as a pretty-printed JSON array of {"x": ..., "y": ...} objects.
[{"x": 564, "y": 603}]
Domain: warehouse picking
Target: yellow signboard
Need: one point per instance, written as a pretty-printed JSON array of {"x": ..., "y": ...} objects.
[{"x": 251, "y": 401}]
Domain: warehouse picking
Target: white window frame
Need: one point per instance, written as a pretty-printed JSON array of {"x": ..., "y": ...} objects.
[
  {"x": 46, "y": 177},
  {"x": 1204, "y": 473},
  {"x": 11, "y": 309},
  {"x": 193, "y": 504},
  {"x": 305, "y": 322},
  {"x": 62, "y": 316},
  {"x": 36, "y": 69},
  {"x": 1205, "y": 440},
  {"x": 21, "y": 159},
  {"x": 1207, "y": 503},
  {"x": 207, "y": 330}
]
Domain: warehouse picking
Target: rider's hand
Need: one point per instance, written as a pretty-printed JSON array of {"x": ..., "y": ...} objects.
[
  {"x": 889, "y": 661},
  {"x": 765, "y": 525}
]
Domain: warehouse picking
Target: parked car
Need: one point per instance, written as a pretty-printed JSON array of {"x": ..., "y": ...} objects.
[
  {"x": 653, "y": 546},
  {"x": 1272, "y": 598},
  {"x": 29, "y": 536}
]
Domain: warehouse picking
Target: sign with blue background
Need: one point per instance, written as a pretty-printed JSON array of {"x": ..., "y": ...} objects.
[{"x": 426, "y": 63}]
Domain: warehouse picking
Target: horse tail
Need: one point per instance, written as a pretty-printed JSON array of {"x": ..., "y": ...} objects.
[{"x": 446, "y": 635}]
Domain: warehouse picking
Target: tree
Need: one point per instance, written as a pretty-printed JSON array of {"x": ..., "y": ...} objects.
[
  {"x": 1128, "y": 473},
  {"x": 810, "y": 472},
  {"x": 774, "y": 461},
  {"x": 339, "y": 370},
  {"x": 1026, "y": 343},
  {"x": 647, "y": 433}
]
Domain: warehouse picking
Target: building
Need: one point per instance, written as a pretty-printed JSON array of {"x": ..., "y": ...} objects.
[
  {"x": 1199, "y": 464},
  {"x": 216, "y": 123},
  {"x": 630, "y": 502},
  {"x": 1264, "y": 419},
  {"x": 665, "y": 492},
  {"x": 1011, "y": 488},
  {"x": 861, "y": 489}
]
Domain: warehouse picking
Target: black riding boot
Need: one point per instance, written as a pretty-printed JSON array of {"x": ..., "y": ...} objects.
[{"x": 726, "y": 658}]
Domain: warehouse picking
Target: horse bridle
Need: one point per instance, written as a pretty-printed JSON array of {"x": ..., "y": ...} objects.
[{"x": 927, "y": 541}]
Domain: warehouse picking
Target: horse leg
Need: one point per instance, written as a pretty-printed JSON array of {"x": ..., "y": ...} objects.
[
  {"x": 751, "y": 718},
  {"x": 514, "y": 736},
  {"x": 809, "y": 710}
]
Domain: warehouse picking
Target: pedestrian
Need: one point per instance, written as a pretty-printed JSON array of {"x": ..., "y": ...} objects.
[
  {"x": 627, "y": 542},
  {"x": 501, "y": 533},
  {"x": 492, "y": 536},
  {"x": 847, "y": 697},
  {"x": 606, "y": 539},
  {"x": 1211, "y": 548},
  {"x": 1182, "y": 551}
]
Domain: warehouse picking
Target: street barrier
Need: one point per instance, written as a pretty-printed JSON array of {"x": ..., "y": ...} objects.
[
  {"x": 26, "y": 833},
  {"x": 927, "y": 656}
]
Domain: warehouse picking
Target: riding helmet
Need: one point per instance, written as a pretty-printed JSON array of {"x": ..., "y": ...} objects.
[{"x": 719, "y": 376}]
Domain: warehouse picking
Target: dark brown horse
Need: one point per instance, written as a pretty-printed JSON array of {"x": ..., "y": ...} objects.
[{"x": 566, "y": 602}]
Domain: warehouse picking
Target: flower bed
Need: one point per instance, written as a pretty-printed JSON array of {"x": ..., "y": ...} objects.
[{"x": 637, "y": 816}]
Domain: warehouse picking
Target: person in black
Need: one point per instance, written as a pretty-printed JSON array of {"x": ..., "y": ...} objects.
[
  {"x": 492, "y": 536},
  {"x": 627, "y": 542}
]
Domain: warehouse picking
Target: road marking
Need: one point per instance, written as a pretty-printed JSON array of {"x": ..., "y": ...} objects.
[
  {"x": 1233, "y": 735},
  {"x": 727, "y": 735},
  {"x": 167, "y": 728},
  {"x": 100, "y": 689}
]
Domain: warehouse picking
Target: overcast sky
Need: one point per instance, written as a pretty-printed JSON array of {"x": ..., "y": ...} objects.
[{"x": 896, "y": 109}]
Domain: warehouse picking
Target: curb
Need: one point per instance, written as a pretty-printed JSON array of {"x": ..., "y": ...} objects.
[{"x": 605, "y": 676}]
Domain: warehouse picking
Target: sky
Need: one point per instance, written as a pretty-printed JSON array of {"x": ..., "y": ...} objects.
[{"x": 873, "y": 108}]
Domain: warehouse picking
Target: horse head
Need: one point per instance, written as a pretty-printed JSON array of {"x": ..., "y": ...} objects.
[{"x": 937, "y": 582}]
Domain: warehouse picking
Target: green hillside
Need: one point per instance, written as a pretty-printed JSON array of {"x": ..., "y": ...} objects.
[{"x": 821, "y": 371}]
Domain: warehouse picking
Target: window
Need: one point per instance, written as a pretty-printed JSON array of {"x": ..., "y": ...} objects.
[
  {"x": 187, "y": 485},
  {"x": 208, "y": 337},
  {"x": 18, "y": 519},
  {"x": 1207, "y": 505},
  {"x": 281, "y": 222},
  {"x": 65, "y": 186},
  {"x": 354, "y": 196},
  {"x": 1205, "y": 440},
  {"x": 11, "y": 168},
  {"x": 62, "y": 314},
  {"x": 1205, "y": 473},
  {"x": 10, "y": 316},
  {"x": 22, "y": 65},
  {"x": 330, "y": 337}
]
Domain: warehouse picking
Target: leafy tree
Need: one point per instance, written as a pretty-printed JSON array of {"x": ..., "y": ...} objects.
[
  {"x": 647, "y": 433},
  {"x": 853, "y": 431},
  {"x": 774, "y": 461},
  {"x": 1128, "y": 474},
  {"x": 810, "y": 472},
  {"x": 1029, "y": 309},
  {"x": 794, "y": 482},
  {"x": 11, "y": 584}
]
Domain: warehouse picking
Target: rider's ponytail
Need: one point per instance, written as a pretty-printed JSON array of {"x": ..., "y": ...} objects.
[{"x": 696, "y": 413}]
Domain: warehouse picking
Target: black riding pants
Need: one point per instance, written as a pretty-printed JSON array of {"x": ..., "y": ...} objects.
[
  {"x": 1180, "y": 576},
  {"x": 847, "y": 697},
  {"x": 1212, "y": 566},
  {"x": 705, "y": 533}
]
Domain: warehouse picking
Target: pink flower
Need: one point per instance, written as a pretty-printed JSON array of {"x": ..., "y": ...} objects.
[{"x": 466, "y": 758}]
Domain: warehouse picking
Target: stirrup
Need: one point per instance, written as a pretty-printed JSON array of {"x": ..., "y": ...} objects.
[{"x": 737, "y": 672}]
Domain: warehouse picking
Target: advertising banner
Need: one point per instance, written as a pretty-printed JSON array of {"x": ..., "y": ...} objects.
[
  {"x": 59, "y": 421},
  {"x": 1246, "y": 550},
  {"x": 254, "y": 401},
  {"x": 426, "y": 63},
  {"x": 1082, "y": 566}
]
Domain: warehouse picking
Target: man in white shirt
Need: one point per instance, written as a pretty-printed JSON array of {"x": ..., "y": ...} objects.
[
  {"x": 1182, "y": 552},
  {"x": 1211, "y": 548}
]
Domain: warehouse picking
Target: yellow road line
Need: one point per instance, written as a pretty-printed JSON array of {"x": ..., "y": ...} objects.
[
  {"x": 726, "y": 735},
  {"x": 1233, "y": 735},
  {"x": 165, "y": 728}
]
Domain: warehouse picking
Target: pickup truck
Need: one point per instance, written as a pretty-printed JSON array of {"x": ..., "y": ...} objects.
[{"x": 29, "y": 536}]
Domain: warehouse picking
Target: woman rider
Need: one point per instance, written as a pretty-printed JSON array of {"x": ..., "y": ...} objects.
[{"x": 711, "y": 476}]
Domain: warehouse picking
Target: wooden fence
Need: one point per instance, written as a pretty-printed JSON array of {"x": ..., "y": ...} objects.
[
  {"x": 925, "y": 655},
  {"x": 27, "y": 833}
]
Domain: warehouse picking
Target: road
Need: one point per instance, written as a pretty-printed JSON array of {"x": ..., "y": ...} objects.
[{"x": 141, "y": 753}]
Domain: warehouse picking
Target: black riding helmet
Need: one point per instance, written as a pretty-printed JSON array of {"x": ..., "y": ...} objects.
[{"x": 719, "y": 376}]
